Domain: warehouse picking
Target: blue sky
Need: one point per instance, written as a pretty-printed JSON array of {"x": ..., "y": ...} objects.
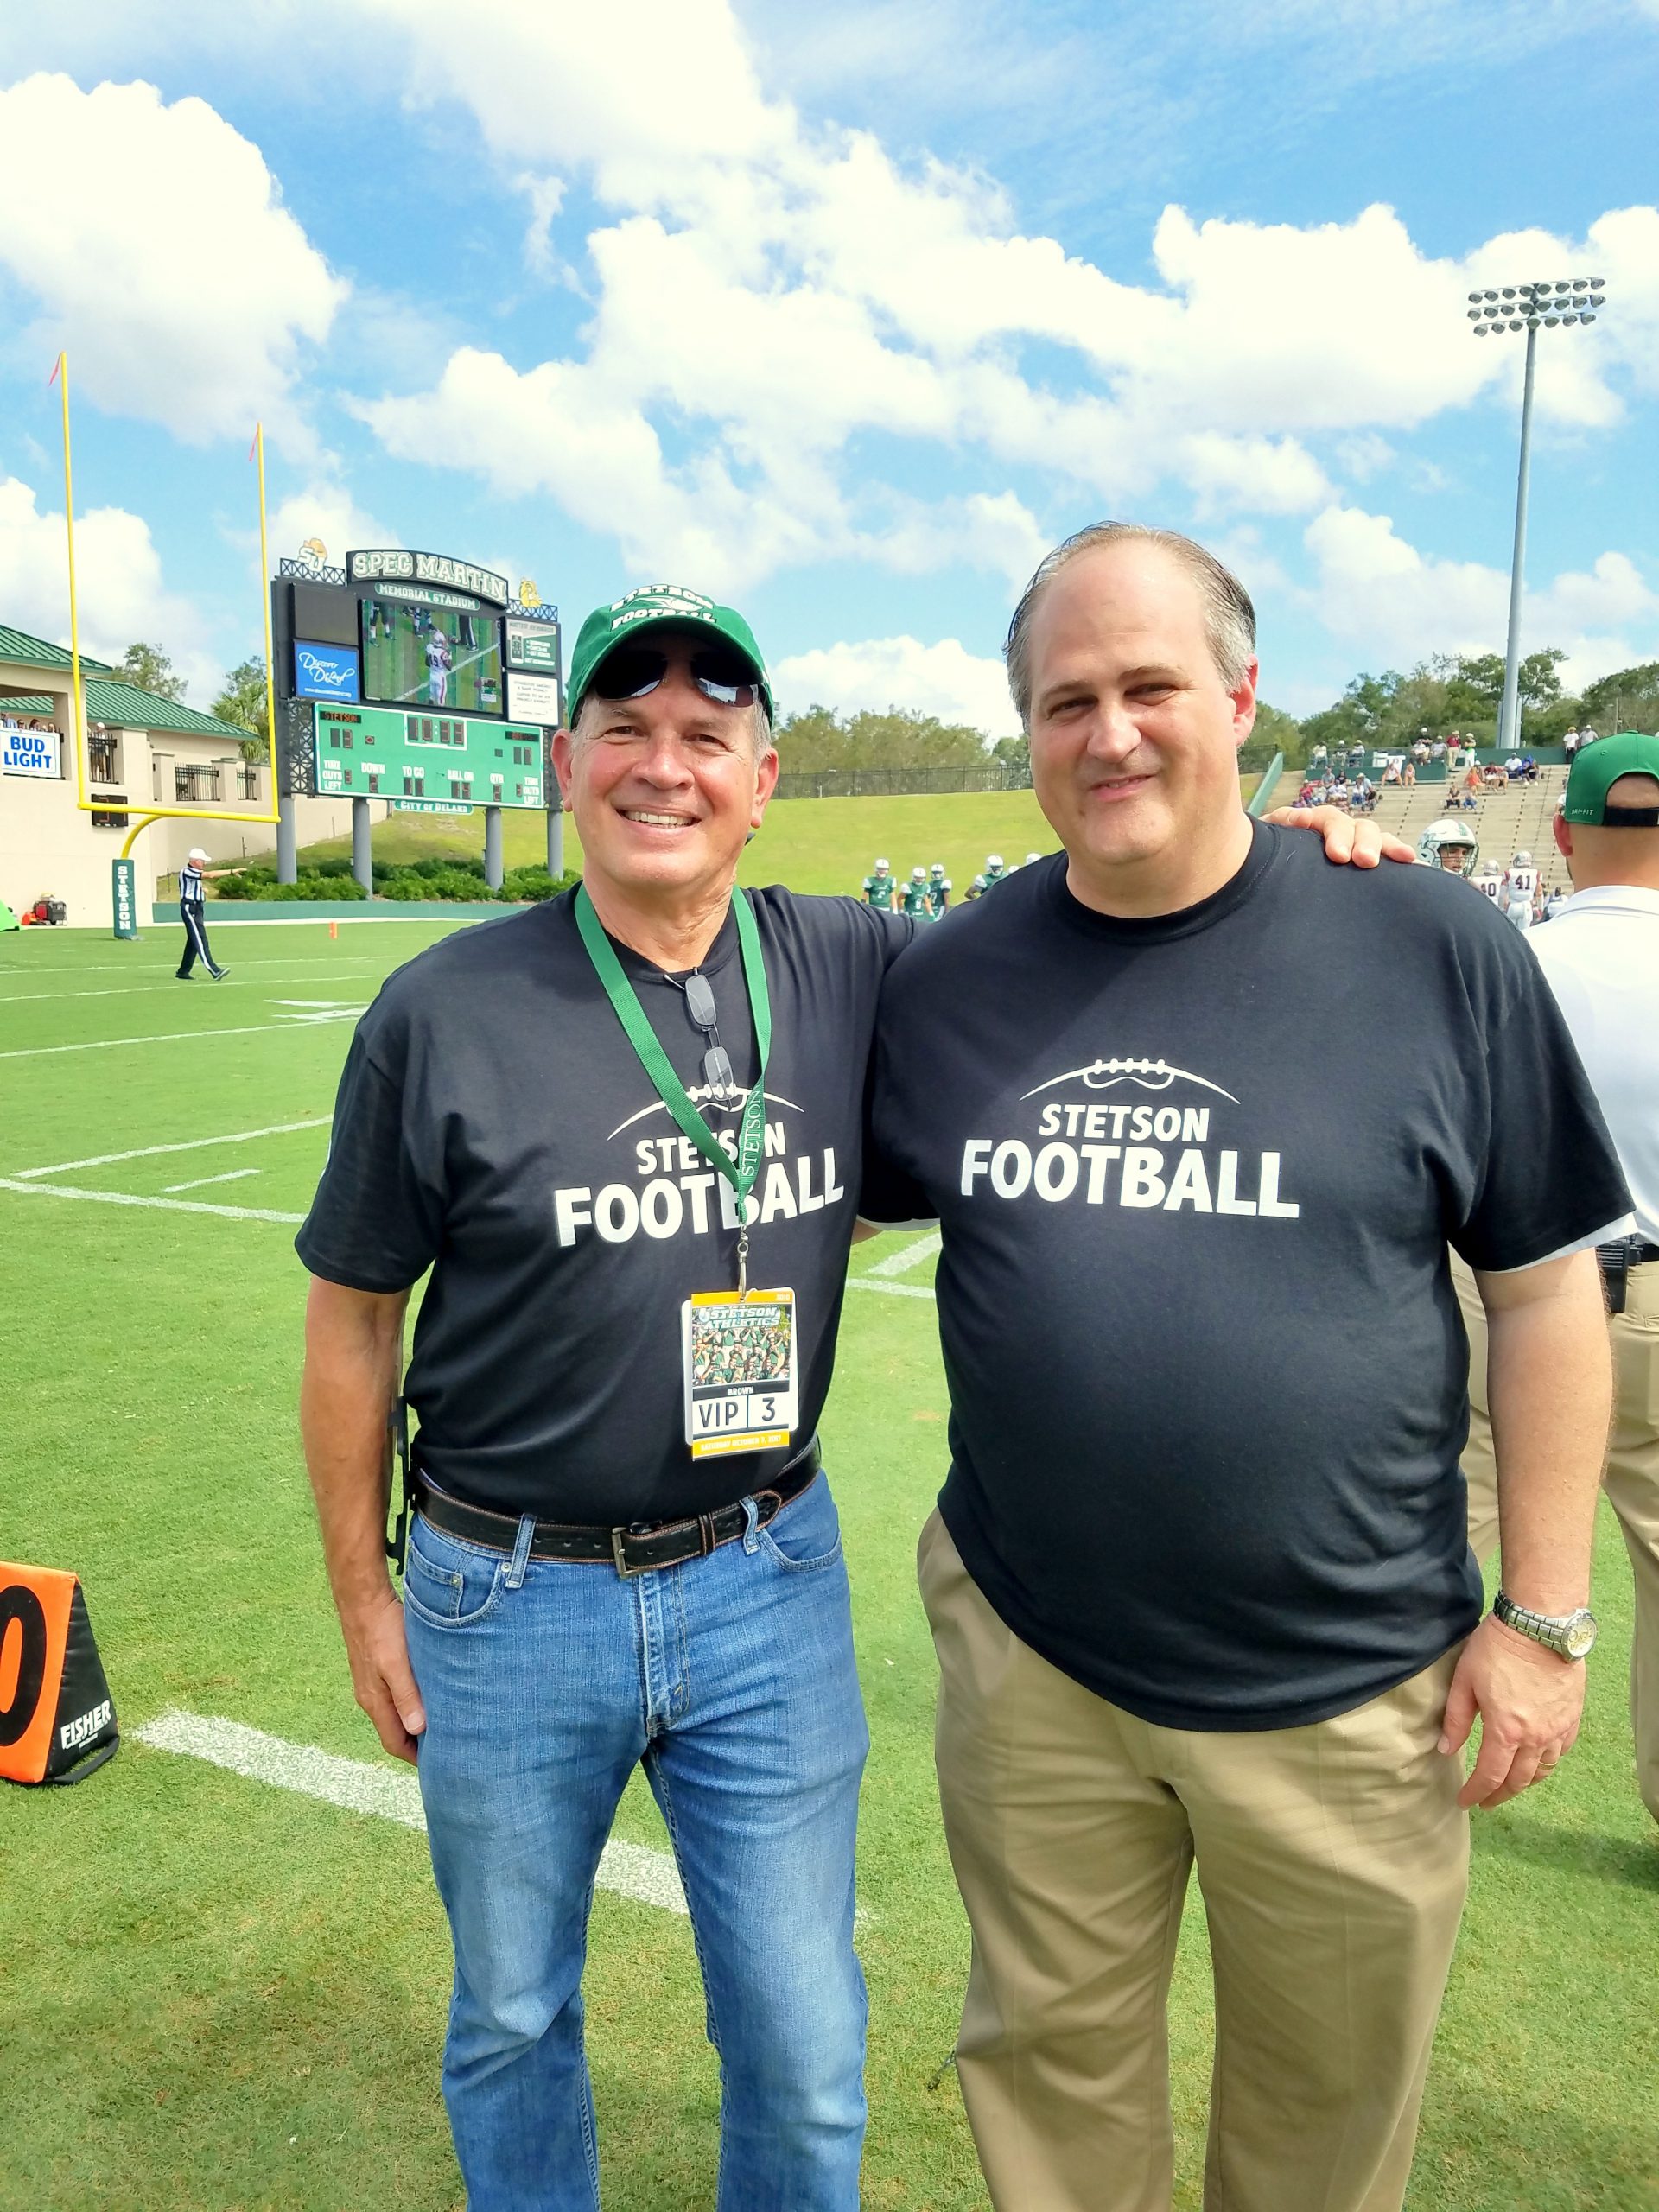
[{"x": 844, "y": 313}]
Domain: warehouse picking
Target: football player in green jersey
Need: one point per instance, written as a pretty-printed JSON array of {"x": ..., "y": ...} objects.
[
  {"x": 879, "y": 888},
  {"x": 995, "y": 871},
  {"x": 913, "y": 897},
  {"x": 938, "y": 890}
]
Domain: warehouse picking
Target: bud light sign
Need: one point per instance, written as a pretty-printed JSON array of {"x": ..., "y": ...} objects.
[
  {"x": 325, "y": 671},
  {"x": 29, "y": 752}
]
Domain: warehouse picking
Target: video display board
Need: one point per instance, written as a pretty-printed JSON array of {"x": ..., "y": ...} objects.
[
  {"x": 445, "y": 658},
  {"x": 427, "y": 762},
  {"x": 393, "y": 672}
]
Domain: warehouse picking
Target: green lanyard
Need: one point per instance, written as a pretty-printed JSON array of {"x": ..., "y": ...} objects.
[{"x": 752, "y": 1129}]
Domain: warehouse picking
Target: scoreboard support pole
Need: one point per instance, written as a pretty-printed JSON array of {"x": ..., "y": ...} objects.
[
  {"x": 493, "y": 868},
  {"x": 556, "y": 839},
  {"x": 287, "y": 850},
  {"x": 362, "y": 847}
]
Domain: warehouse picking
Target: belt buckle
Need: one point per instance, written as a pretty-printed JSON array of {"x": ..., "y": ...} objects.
[{"x": 621, "y": 1557}]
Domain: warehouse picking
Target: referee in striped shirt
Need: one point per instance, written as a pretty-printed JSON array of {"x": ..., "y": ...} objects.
[{"x": 192, "y": 914}]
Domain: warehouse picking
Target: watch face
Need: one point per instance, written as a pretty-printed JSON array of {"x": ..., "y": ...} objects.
[{"x": 1581, "y": 1636}]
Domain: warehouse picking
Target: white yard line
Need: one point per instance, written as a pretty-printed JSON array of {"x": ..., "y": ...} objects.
[
  {"x": 908, "y": 1256},
  {"x": 298, "y": 1028},
  {"x": 190, "y": 1144},
  {"x": 141, "y": 990},
  {"x": 162, "y": 1205},
  {"x": 200, "y": 1183},
  {"x": 122, "y": 968},
  {"x": 391, "y": 1793},
  {"x": 869, "y": 1282}
]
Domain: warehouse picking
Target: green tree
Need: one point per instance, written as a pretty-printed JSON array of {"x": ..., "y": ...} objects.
[
  {"x": 820, "y": 739},
  {"x": 1628, "y": 699},
  {"x": 1536, "y": 680},
  {"x": 151, "y": 670},
  {"x": 243, "y": 702},
  {"x": 1015, "y": 753}
]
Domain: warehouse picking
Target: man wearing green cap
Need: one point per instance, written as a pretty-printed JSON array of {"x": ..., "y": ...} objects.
[
  {"x": 1601, "y": 955},
  {"x": 600, "y": 1123}
]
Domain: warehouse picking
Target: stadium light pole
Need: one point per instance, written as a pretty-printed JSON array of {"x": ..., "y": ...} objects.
[{"x": 1560, "y": 302}]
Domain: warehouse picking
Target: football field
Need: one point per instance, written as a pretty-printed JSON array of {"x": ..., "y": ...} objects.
[{"x": 223, "y": 1967}]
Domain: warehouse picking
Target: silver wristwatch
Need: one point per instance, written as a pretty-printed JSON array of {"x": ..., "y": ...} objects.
[{"x": 1571, "y": 1635}]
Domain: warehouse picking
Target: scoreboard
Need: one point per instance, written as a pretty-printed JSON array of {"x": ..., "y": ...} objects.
[
  {"x": 426, "y": 763},
  {"x": 415, "y": 679}
]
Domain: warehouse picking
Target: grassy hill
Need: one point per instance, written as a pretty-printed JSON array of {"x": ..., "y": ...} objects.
[{"x": 811, "y": 844}]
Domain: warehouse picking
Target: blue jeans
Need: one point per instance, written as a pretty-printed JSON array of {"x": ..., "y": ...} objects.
[{"x": 546, "y": 1682}]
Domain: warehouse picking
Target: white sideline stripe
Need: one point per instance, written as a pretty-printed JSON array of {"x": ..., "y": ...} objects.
[
  {"x": 189, "y": 1144},
  {"x": 909, "y": 1255},
  {"x": 168, "y": 1037},
  {"x": 629, "y": 1870},
  {"x": 892, "y": 1289},
  {"x": 140, "y": 990},
  {"x": 120, "y": 967},
  {"x": 162, "y": 1205},
  {"x": 200, "y": 1183}
]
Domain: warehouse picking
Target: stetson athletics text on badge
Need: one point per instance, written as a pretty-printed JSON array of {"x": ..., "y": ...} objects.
[{"x": 741, "y": 1393}]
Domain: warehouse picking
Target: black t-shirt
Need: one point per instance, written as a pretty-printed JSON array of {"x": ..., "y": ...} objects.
[
  {"x": 494, "y": 1124},
  {"x": 1206, "y": 1368}
]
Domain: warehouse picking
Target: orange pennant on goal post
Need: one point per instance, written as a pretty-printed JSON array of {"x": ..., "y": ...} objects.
[{"x": 53, "y": 378}]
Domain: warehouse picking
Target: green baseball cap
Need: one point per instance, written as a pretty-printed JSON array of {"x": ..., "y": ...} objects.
[
  {"x": 654, "y": 606},
  {"x": 1596, "y": 768}
]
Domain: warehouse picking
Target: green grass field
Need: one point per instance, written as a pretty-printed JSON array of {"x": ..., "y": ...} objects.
[
  {"x": 217, "y": 1993},
  {"x": 811, "y": 844}
]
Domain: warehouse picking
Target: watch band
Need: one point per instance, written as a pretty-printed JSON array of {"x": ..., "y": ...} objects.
[{"x": 1570, "y": 1635}]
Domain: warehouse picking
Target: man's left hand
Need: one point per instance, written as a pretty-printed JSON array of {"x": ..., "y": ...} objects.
[
  {"x": 1356, "y": 842},
  {"x": 1529, "y": 1700}
]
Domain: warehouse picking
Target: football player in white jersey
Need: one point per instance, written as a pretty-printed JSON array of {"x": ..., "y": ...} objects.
[{"x": 1520, "y": 890}]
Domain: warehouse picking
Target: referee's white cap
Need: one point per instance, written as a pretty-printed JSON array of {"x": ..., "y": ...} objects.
[{"x": 196, "y": 853}]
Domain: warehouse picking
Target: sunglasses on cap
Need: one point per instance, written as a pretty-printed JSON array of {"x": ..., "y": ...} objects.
[{"x": 631, "y": 672}]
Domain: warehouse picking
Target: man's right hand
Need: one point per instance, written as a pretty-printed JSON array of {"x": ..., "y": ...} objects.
[{"x": 382, "y": 1676}]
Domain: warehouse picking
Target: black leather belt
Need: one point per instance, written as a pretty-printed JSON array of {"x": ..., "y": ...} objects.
[{"x": 633, "y": 1550}]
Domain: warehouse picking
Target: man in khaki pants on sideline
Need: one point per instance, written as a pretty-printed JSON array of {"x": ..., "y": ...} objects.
[
  {"x": 1601, "y": 955},
  {"x": 1187, "y": 1607}
]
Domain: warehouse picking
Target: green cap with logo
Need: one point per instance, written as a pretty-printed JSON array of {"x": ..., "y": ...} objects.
[
  {"x": 655, "y": 606},
  {"x": 1596, "y": 768}
]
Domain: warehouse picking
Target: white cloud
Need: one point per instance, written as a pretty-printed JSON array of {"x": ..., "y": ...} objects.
[
  {"x": 153, "y": 244},
  {"x": 1375, "y": 590},
  {"x": 769, "y": 295},
  {"x": 121, "y": 596},
  {"x": 326, "y": 511},
  {"x": 944, "y": 679}
]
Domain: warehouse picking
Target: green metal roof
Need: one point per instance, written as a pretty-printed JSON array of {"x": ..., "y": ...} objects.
[
  {"x": 17, "y": 644},
  {"x": 123, "y": 706}
]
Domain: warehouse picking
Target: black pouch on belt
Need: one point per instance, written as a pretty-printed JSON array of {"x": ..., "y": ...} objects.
[{"x": 1615, "y": 1263}]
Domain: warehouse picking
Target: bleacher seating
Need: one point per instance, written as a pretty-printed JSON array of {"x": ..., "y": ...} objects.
[{"x": 1516, "y": 819}]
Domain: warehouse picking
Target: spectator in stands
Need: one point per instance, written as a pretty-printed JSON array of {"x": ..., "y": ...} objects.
[
  {"x": 1391, "y": 769},
  {"x": 1408, "y": 774},
  {"x": 1340, "y": 791},
  {"x": 1308, "y": 795},
  {"x": 1436, "y": 749},
  {"x": 1515, "y": 767},
  {"x": 1363, "y": 797},
  {"x": 1420, "y": 749},
  {"x": 1570, "y": 742}
]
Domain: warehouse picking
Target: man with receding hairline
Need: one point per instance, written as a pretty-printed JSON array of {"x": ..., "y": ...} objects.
[{"x": 1187, "y": 1610}]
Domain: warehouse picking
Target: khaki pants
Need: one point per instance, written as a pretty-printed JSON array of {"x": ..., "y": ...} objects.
[
  {"x": 1332, "y": 1860},
  {"x": 1631, "y": 1482}
]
